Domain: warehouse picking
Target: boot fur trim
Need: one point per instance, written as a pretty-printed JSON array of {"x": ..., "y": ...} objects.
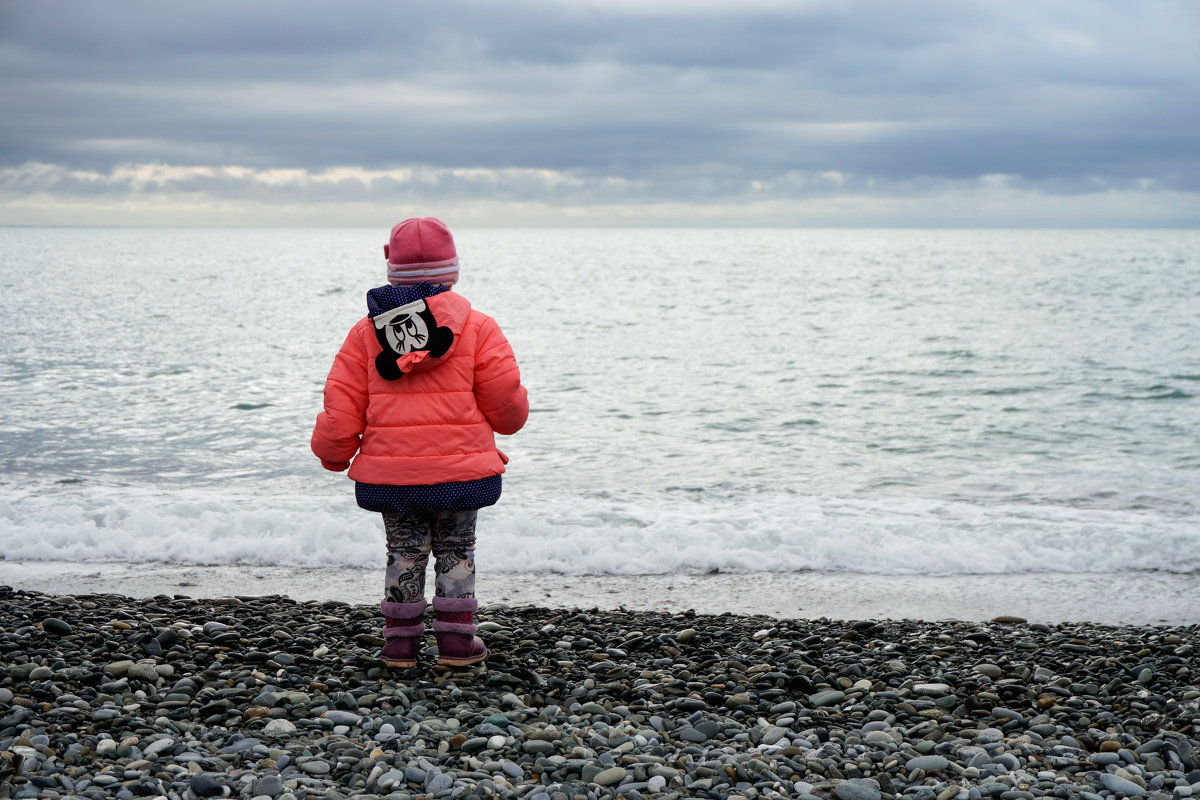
[
  {"x": 456, "y": 605},
  {"x": 454, "y": 627},
  {"x": 402, "y": 610},
  {"x": 403, "y": 631}
]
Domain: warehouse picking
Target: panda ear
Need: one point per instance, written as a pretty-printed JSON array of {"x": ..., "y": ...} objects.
[
  {"x": 385, "y": 365},
  {"x": 440, "y": 341},
  {"x": 381, "y": 337}
]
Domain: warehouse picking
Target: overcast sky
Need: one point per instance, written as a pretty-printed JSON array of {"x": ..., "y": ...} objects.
[{"x": 810, "y": 112}]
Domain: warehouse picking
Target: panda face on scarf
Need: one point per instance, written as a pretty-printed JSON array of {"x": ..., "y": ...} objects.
[
  {"x": 408, "y": 329},
  {"x": 406, "y": 332}
]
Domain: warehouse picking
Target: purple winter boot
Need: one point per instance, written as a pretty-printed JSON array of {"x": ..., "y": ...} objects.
[
  {"x": 458, "y": 646},
  {"x": 402, "y": 630}
]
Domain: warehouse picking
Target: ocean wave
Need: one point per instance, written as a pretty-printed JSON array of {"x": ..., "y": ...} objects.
[{"x": 622, "y": 533}]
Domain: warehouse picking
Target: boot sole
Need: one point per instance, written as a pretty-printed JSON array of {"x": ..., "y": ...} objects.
[
  {"x": 462, "y": 662},
  {"x": 391, "y": 662}
]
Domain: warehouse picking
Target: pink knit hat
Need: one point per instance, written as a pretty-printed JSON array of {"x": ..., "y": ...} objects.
[{"x": 421, "y": 250}]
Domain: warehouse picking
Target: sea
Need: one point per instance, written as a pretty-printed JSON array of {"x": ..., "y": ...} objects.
[{"x": 864, "y": 405}]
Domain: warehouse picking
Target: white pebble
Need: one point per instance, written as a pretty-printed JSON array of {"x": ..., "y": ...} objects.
[{"x": 279, "y": 727}]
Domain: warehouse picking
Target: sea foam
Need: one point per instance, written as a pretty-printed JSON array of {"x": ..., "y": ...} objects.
[{"x": 725, "y": 529}]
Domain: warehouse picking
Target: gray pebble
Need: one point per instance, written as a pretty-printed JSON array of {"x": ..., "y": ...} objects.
[
  {"x": 827, "y": 698},
  {"x": 773, "y": 734},
  {"x": 610, "y": 776},
  {"x": 927, "y": 763},
  {"x": 857, "y": 789},
  {"x": 117, "y": 668},
  {"x": 1008, "y": 761},
  {"x": 315, "y": 767},
  {"x": 158, "y": 746},
  {"x": 1121, "y": 786},
  {"x": 205, "y": 785},
  {"x": 143, "y": 672},
  {"x": 269, "y": 785}
]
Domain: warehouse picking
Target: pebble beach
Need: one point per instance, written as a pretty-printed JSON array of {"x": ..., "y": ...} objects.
[{"x": 105, "y": 696}]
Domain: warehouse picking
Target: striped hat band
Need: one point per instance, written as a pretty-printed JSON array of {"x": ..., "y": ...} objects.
[{"x": 424, "y": 272}]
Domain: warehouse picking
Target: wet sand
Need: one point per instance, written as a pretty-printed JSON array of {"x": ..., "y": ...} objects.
[{"x": 1126, "y": 599}]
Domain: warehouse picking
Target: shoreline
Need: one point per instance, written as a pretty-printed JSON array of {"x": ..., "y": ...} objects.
[
  {"x": 1113, "y": 599},
  {"x": 270, "y": 697}
]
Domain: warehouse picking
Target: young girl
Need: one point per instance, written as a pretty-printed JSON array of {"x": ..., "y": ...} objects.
[{"x": 417, "y": 390}]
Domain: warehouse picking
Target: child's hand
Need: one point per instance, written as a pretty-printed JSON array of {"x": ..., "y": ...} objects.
[{"x": 334, "y": 466}]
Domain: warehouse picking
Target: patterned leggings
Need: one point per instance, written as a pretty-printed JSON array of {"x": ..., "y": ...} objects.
[{"x": 450, "y": 535}]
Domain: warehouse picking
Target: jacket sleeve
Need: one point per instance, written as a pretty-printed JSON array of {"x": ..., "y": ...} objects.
[
  {"x": 498, "y": 390},
  {"x": 340, "y": 426}
]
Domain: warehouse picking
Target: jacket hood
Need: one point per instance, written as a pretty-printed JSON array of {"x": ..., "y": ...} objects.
[
  {"x": 385, "y": 298},
  {"x": 417, "y": 326}
]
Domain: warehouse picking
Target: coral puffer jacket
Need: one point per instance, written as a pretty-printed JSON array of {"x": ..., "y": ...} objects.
[{"x": 417, "y": 390}]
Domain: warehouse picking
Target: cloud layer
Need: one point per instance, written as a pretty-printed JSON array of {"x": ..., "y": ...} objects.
[{"x": 586, "y": 110}]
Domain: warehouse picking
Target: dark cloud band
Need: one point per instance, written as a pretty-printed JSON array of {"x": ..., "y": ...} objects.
[{"x": 661, "y": 96}]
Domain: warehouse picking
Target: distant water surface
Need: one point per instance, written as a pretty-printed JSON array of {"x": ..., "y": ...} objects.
[{"x": 879, "y": 401}]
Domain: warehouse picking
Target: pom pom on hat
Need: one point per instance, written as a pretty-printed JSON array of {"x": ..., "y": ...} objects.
[{"x": 421, "y": 250}]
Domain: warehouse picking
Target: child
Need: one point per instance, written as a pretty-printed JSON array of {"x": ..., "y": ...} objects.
[{"x": 417, "y": 390}]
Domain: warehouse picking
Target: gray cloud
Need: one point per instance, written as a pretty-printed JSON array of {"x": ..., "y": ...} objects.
[{"x": 677, "y": 101}]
